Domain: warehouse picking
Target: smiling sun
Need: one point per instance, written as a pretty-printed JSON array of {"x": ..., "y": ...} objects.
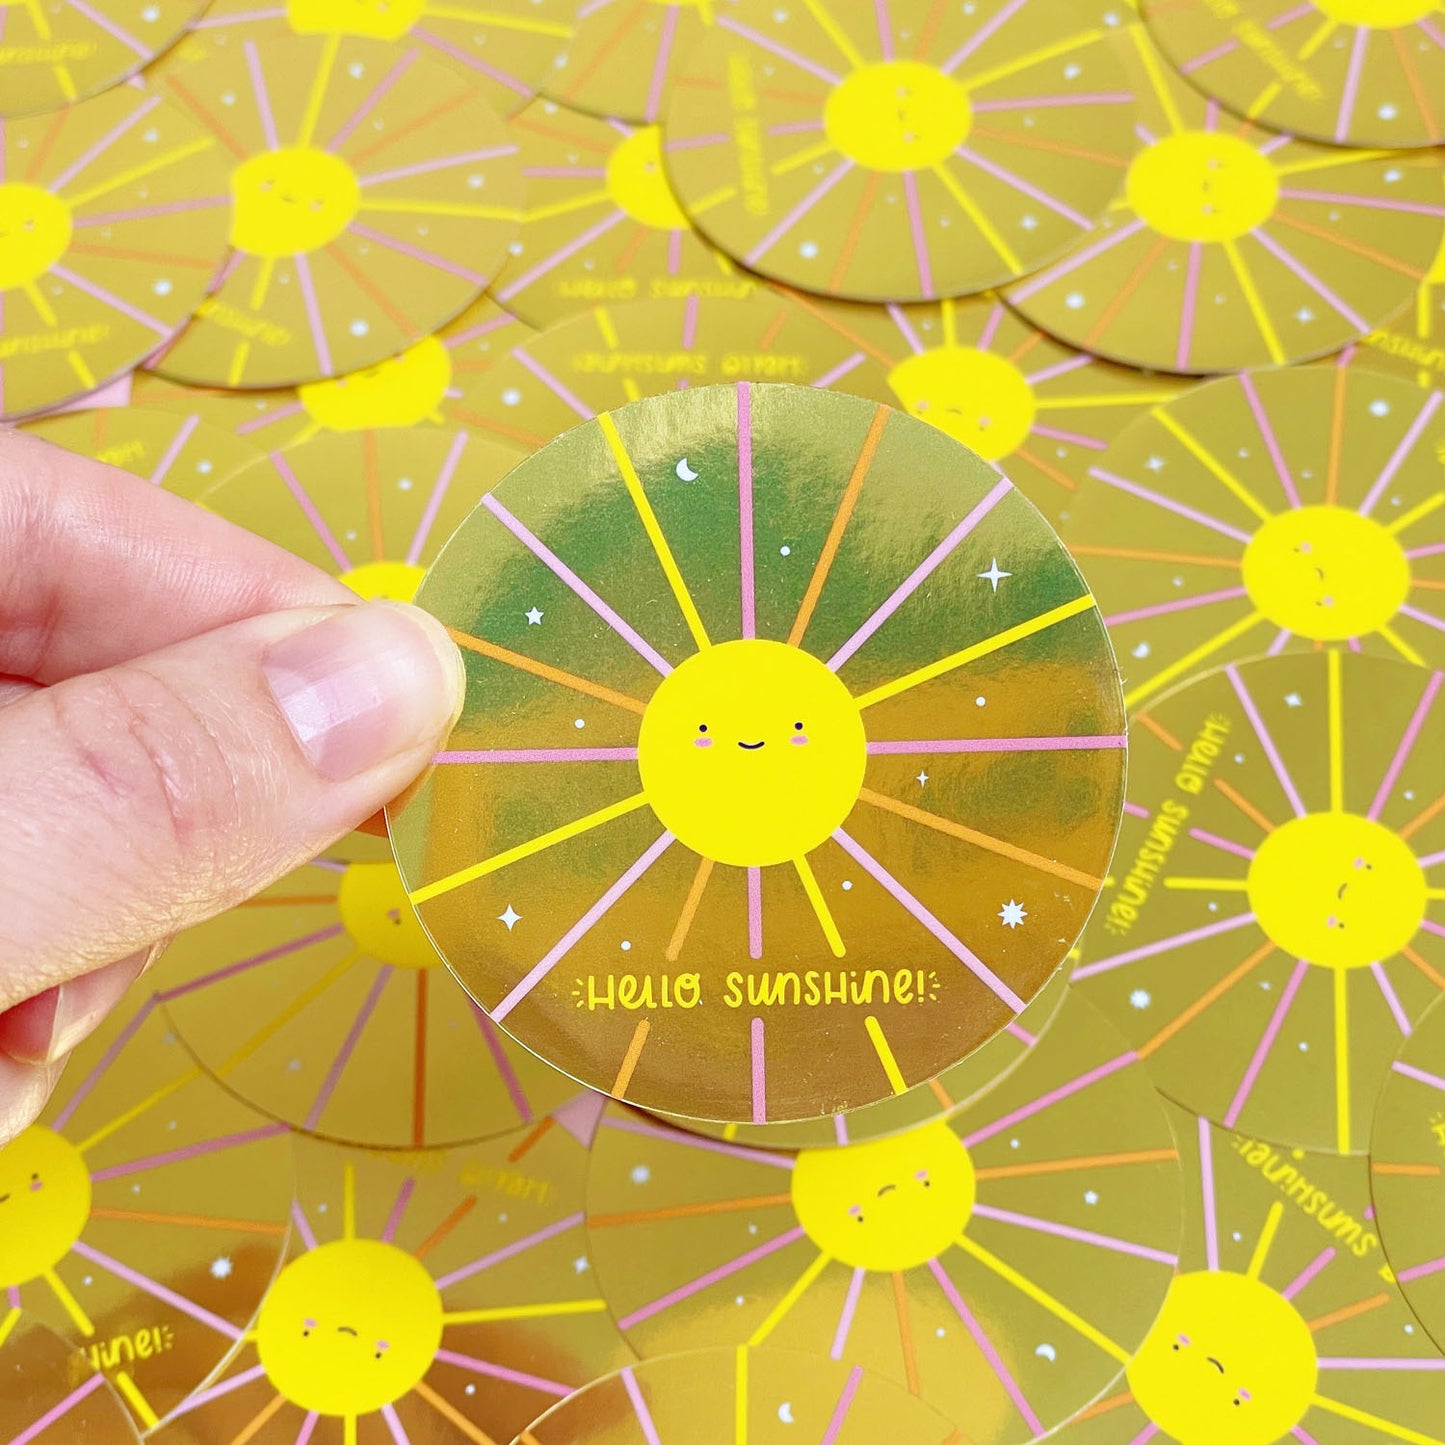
[{"x": 750, "y": 672}]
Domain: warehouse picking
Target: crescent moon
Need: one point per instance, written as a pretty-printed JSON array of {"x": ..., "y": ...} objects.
[
  {"x": 685, "y": 473},
  {"x": 785, "y": 1412}
]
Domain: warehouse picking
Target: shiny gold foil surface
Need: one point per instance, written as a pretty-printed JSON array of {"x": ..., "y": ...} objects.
[
  {"x": 442, "y": 1297},
  {"x": 49, "y": 1391},
  {"x": 1283, "y": 1324},
  {"x": 372, "y": 194},
  {"x": 1271, "y": 934},
  {"x": 610, "y": 355},
  {"x": 145, "y": 1214},
  {"x": 900, "y": 151},
  {"x": 1235, "y": 245},
  {"x": 1406, "y": 1173},
  {"x": 1272, "y": 511},
  {"x": 740, "y": 1397},
  {"x": 619, "y": 870},
  {"x": 1003, "y": 1266}
]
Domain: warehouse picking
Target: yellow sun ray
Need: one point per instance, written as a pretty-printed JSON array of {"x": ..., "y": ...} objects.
[
  {"x": 794, "y": 1294},
  {"x": 1374, "y": 1422},
  {"x": 264, "y": 272},
  {"x": 525, "y": 850},
  {"x": 605, "y": 326},
  {"x": 37, "y": 18},
  {"x": 348, "y": 1430},
  {"x": 802, "y": 158},
  {"x": 1208, "y": 885},
  {"x": 979, "y": 840},
  {"x": 348, "y": 1202},
  {"x": 830, "y": 27},
  {"x": 1157, "y": 83},
  {"x": 296, "y": 1006},
  {"x": 1191, "y": 659},
  {"x": 317, "y": 97},
  {"x": 441, "y": 208},
  {"x": 1121, "y": 398},
  {"x": 239, "y": 359},
  {"x": 82, "y": 371},
  {"x": 820, "y": 906},
  {"x": 1034, "y": 57},
  {"x": 1211, "y": 463},
  {"x": 1263, "y": 100},
  {"x": 1042, "y": 1298},
  {"x": 496, "y": 20},
  {"x": 564, "y": 208},
  {"x": 740, "y": 1398},
  {"x": 896, "y": 1081},
  {"x": 69, "y": 1303},
  {"x": 36, "y": 297},
  {"x": 134, "y": 1113},
  {"x": 654, "y": 531},
  {"x": 1401, "y": 646},
  {"x": 1337, "y": 736},
  {"x": 526, "y": 1312},
  {"x": 1265, "y": 1240},
  {"x": 136, "y": 1400},
  {"x": 136, "y": 173},
  {"x": 999, "y": 640},
  {"x": 7, "y": 1325},
  {"x": 1342, "y": 1061},
  {"x": 1251, "y": 298},
  {"x": 712, "y": 199},
  {"x": 1416, "y": 514},
  {"x": 978, "y": 216}
]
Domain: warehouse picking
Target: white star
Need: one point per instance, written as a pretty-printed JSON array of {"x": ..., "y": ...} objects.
[
  {"x": 1155, "y": 464},
  {"x": 1012, "y": 914},
  {"x": 922, "y": 779},
  {"x": 511, "y": 918},
  {"x": 534, "y": 618},
  {"x": 221, "y": 1268},
  {"x": 1091, "y": 1196},
  {"x": 993, "y": 574},
  {"x": 1293, "y": 699}
]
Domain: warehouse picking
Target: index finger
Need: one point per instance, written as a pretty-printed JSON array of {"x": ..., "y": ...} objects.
[{"x": 98, "y": 567}]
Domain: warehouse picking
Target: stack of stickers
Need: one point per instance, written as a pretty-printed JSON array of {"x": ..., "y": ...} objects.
[{"x": 839, "y": 436}]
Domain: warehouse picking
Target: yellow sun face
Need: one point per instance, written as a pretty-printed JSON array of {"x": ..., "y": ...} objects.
[
  {"x": 377, "y": 19},
  {"x": 374, "y": 910},
  {"x": 293, "y": 200},
  {"x": 887, "y": 1205},
  {"x": 1326, "y": 572},
  {"x": 44, "y": 1204},
  {"x": 977, "y": 397},
  {"x": 1376, "y": 14},
  {"x": 751, "y": 752},
  {"x": 898, "y": 115},
  {"x": 384, "y": 581},
  {"x": 404, "y": 390},
  {"x": 1337, "y": 890},
  {"x": 1202, "y": 186},
  {"x": 1229, "y": 1362},
  {"x": 637, "y": 182},
  {"x": 35, "y": 229},
  {"x": 349, "y": 1327}
]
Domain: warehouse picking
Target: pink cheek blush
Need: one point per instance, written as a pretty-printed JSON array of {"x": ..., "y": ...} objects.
[
  {"x": 702, "y": 742},
  {"x": 37, "y": 1187},
  {"x": 798, "y": 740}
]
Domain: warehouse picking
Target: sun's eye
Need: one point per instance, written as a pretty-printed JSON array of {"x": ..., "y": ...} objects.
[
  {"x": 797, "y": 727},
  {"x": 702, "y": 727}
]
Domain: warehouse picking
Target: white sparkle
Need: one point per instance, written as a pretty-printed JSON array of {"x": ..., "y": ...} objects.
[
  {"x": 1293, "y": 699},
  {"x": 922, "y": 779},
  {"x": 579, "y": 1265},
  {"x": 534, "y": 617},
  {"x": 1091, "y": 1196},
  {"x": 1155, "y": 464},
  {"x": 221, "y": 1268},
  {"x": 1140, "y": 998},
  {"x": 511, "y": 918},
  {"x": 993, "y": 575},
  {"x": 1012, "y": 914}
]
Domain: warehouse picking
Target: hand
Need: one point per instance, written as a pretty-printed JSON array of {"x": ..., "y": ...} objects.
[{"x": 186, "y": 714}]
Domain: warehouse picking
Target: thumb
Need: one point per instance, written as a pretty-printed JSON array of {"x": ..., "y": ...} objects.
[{"x": 146, "y": 798}]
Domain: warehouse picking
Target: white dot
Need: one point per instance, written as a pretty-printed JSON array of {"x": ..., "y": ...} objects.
[
  {"x": 356, "y": 70},
  {"x": 1304, "y": 1048},
  {"x": 808, "y": 250},
  {"x": 847, "y": 884},
  {"x": 1379, "y": 408},
  {"x": 1387, "y": 111},
  {"x": 161, "y": 287},
  {"x": 1141, "y": 998},
  {"x": 626, "y": 945},
  {"x": 577, "y": 722},
  {"x": 404, "y": 484},
  {"x": 641, "y": 1174},
  {"x": 785, "y": 551},
  {"x": 359, "y": 328},
  {"x": 511, "y": 397},
  {"x": 979, "y": 701},
  {"x": 1074, "y": 300}
]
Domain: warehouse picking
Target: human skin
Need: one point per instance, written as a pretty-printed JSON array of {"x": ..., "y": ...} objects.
[{"x": 187, "y": 713}]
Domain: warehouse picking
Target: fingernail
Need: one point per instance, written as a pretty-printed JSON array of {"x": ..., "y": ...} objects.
[
  {"x": 365, "y": 685},
  {"x": 47, "y": 1027}
]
